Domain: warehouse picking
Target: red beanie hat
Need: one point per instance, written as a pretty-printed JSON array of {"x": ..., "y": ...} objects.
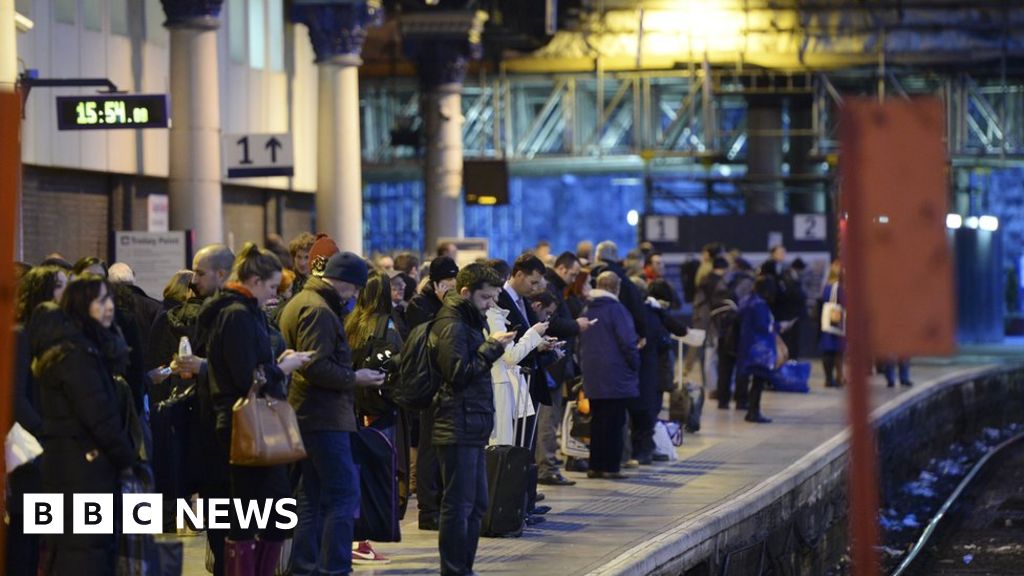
[{"x": 322, "y": 250}]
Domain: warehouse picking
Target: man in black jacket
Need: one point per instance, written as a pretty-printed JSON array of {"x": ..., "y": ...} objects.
[
  {"x": 323, "y": 396},
  {"x": 425, "y": 305},
  {"x": 463, "y": 410},
  {"x": 422, "y": 309}
]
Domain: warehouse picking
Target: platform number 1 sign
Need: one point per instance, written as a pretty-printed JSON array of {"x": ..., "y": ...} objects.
[
  {"x": 809, "y": 227},
  {"x": 249, "y": 155}
]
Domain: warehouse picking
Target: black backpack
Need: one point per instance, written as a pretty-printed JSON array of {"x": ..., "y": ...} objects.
[{"x": 417, "y": 382}]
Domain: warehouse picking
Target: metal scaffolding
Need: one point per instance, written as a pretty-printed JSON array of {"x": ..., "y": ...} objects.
[{"x": 682, "y": 117}]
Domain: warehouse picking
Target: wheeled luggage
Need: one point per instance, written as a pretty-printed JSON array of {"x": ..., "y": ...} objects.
[{"x": 375, "y": 455}]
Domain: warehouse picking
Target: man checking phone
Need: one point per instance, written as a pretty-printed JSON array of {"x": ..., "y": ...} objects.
[
  {"x": 463, "y": 410},
  {"x": 323, "y": 393}
]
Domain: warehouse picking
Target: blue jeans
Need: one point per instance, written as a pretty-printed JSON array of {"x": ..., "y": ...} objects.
[
  {"x": 890, "y": 371},
  {"x": 464, "y": 477},
  {"x": 327, "y": 504}
]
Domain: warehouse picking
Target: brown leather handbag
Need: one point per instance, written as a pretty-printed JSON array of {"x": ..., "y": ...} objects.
[{"x": 264, "y": 430}]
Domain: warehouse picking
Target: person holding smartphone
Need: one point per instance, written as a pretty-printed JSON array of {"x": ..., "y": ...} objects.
[
  {"x": 234, "y": 336},
  {"x": 323, "y": 395},
  {"x": 463, "y": 410}
]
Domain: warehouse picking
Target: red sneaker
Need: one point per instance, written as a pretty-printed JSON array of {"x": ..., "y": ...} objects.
[{"x": 363, "y": 554}]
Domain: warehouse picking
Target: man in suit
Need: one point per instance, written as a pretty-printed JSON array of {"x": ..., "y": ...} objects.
[{"x": 526, "y": 281}]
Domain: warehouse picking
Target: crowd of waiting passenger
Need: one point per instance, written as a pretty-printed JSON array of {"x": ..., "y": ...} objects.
[{"x": 117, "y": 384}]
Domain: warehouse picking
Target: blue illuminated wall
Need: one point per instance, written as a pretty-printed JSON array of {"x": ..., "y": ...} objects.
[{"x": 560, "y": 209}]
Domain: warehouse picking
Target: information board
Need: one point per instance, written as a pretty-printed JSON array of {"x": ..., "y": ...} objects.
[{"x": 153, "y": 256}]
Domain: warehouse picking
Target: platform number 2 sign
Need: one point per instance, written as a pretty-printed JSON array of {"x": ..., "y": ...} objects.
[
  {"x": 809, "y": 227},
  {"x": 662, "y": 228}
]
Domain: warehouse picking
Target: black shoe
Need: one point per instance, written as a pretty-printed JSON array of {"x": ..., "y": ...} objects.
[
  {"x": 890, "y": 385},
  {"x": 540, "y": 510},
  {"x": 534, "y": 520},
  {"x": 723, "y": 406},
  {"x": 555, "y": 479},
  {"x": 429, "y": 524},
  {"x": 596, "y": 474},
  {"x": 908, "y": 383},
  {"x": 661, "y": 457},
  {"x": 757, "y": 419},
  {"x": 692, "y": 429},
  {"x": 645, "y": 460},
  {"x": 614, "y": 476},
  {"x": 577, "y": 465},
  {"x": 539, "y": 498}
]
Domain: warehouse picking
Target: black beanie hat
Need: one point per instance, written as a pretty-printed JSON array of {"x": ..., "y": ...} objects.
[
  {"x": 443, "y": 268},
  {"x": 347, "y": 267}
]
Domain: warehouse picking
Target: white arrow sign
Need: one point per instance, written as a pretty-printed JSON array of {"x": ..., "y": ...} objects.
[{"x": 248, "y": 155}]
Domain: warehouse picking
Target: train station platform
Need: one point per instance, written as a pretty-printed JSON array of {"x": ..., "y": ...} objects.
[{"x": 726, "y": 473}]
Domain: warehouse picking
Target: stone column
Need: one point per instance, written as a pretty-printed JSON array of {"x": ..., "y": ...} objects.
[
  {"x": 8, "y": 47},
  {"x": 337, "y": 32},
  {"x": 195, "y": 173},
  {"x": 442, "y": 44}
]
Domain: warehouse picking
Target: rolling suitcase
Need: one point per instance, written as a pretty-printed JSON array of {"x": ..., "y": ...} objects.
[
  {"x": 375, "y": 455},
  {"x": 508, "y": 483},
  {"x": 508, "y": 471}
]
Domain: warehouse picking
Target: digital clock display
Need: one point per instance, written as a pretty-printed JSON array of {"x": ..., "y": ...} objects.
[{"x": 112, "y": 111}]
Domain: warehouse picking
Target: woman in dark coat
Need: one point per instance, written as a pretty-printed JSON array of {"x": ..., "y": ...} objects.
[
  {"x": 85, "y": 438},
  {"x": 234, "y": 334},
  {"x": 369, "y": 328},
  {"x": 37, "y": 286},
  {"x": 610, "y": 359},
  {"x": 757, "y": 352}
]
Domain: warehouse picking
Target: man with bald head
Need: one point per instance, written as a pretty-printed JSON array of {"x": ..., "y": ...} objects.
[{"x": 211, "y": 266}]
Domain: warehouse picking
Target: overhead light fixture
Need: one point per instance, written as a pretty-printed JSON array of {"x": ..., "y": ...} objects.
[
  {"x": 954, "y": 221},
  {"x": 988, "y": 223},
  {"x": 883, "y": 219},
  {"x": 971, "y": 222},
  {"x": 633, "y": 218},
  {"x": 23, "y": 23}
]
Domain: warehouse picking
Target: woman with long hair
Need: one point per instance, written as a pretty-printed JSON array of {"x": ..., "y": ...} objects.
[
  {"x": 86, "y": 441},
  {"x": 371, "y": 330},
  {"x": 234, "y": 336},
  {"x": 37, "y": 286}
]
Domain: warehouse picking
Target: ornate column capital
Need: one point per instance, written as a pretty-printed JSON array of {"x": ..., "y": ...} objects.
[
  {"x": 442, "y": 43},
  {"x": 337, "y": 30},
  {"x": 200, "y": 14}
]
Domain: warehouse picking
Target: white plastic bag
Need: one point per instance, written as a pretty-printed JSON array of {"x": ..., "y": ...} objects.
[
  {"x": 20, "y": 447},
  {"x": 663, "y": 442}
]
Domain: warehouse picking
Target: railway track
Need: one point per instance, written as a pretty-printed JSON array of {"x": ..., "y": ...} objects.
[{"x": 980, "y": 529}]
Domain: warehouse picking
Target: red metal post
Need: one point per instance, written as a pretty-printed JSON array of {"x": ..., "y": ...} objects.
[{"x": 10, "y": 174}]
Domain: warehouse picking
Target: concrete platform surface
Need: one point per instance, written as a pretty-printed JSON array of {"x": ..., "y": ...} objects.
[{"x": 605, "y": 526}]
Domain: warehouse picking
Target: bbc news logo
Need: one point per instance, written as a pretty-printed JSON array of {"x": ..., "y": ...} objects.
[{"x": 143, "y": 513}]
